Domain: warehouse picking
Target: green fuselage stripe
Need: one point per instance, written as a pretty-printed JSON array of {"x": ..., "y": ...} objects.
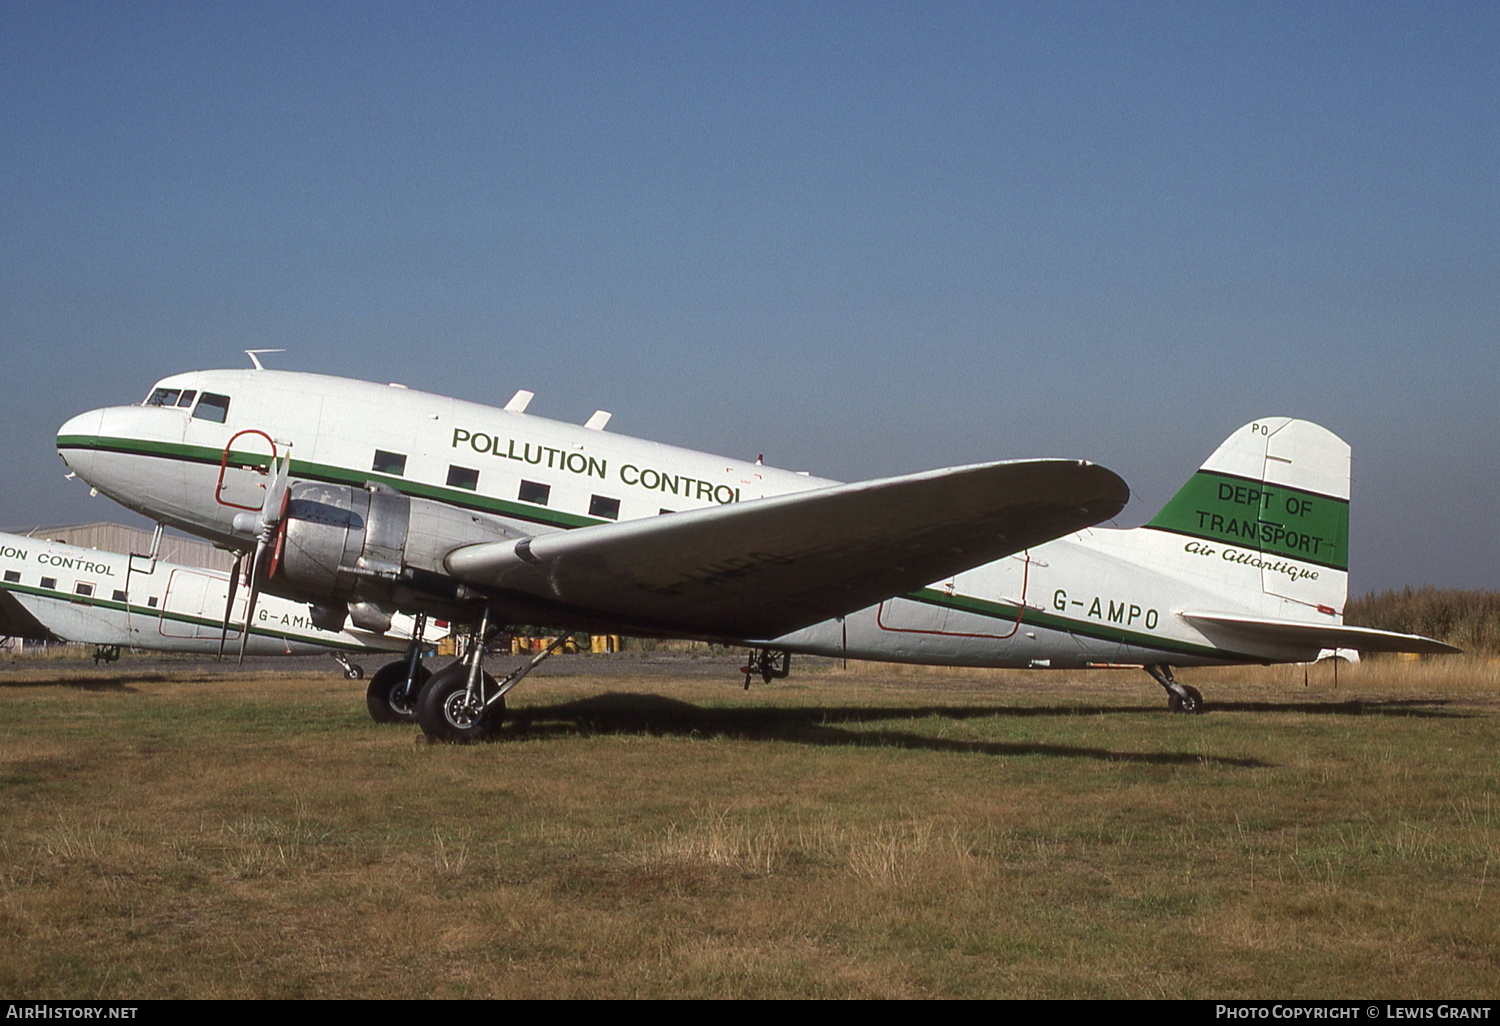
[
  {"x": 1268, "y": 518},
  {"x": 1006, "y": 613},
  {"x": 329, "y": 474},
  {"x": 927, "y": 596}
]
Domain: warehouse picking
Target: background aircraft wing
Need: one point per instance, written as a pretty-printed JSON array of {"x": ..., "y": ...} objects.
[
  {"x": 16, "y": 621},
  {"x": 1228, "y": 630},
  {"x": 766, "y": 567}
]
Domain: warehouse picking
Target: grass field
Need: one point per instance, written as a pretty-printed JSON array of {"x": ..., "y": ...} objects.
[{"x": 167, "y": 830}]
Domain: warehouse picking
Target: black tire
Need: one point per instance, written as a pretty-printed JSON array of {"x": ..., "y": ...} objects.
[
  {"x": 445, "y": 714},
  {"x": 1192, "y": 705},
  {"x": 384, "y": 697}
]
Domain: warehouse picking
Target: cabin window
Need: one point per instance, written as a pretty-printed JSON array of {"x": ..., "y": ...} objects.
[
  {"x": 534, "y": 491},
  {"x": 664, "y": 512},
  {"x": 213, "y": 408},
  {"x": 187, "y": 398},
  {"x": 86, "y": 590},
  {"x": 50, "y": 583},
  {"x": 118, "y": 596},
  {"x": 606, "y": 509},
  {"x": 389, "y": 463},
  {"x": 151, "y": 602},
  {"x": 463, "y": 477},
  {"x": 12, "y": 577}
]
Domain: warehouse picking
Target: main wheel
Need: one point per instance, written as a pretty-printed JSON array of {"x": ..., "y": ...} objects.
[
  {"x": 447, "y": 713},
  {"x": 389, "y": 699}
]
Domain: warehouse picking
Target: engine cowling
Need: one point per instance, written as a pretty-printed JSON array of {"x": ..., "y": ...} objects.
[{"x": 373, "y": 550}]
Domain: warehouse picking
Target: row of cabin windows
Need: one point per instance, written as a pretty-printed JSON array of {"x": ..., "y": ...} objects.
[
  {"x": 82, "y": 589},
  {"x": 211, "y": 407},
  {"x": 535, "y": 492}
]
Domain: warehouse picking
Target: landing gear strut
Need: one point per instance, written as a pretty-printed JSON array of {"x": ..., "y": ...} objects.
[
  {"x": 462, "y": 703},
  {"x": 1183, "y": 698},
  {"x": 392, "y": 694},
  {"x": 770, "y": 663}
]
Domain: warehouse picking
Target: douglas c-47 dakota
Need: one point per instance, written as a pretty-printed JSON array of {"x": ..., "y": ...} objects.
[{"x": 367, "y": 500}]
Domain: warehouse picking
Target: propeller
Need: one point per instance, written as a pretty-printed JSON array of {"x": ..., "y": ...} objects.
[
  {"x": 234, "y": 583},
  {"x": 270, "y": 537}
]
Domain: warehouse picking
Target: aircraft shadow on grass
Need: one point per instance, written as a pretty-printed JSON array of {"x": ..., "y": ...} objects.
[
  {"x": 625, "y": 713},
  {"x": 622, "y": 713},
  {"x": 121, "y": 684}
]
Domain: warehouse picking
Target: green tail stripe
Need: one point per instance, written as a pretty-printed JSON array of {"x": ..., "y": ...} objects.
[{"x": 1268, "y": 518}]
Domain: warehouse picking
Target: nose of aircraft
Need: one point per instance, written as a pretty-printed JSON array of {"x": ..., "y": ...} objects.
[{"x": 76, "y": 440}]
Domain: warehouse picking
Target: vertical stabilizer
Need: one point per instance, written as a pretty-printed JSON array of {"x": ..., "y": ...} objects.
[{"x": 1273, "y": 500}]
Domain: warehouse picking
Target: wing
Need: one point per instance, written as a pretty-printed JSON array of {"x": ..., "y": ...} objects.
[
  {"x": 17, "y": 621},
  {"x": 1238, "y": 630},
  {"x": 763, "y": 568}
]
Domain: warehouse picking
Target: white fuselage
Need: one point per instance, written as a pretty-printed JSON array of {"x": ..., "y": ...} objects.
[{"x": 1102, "y": 596}]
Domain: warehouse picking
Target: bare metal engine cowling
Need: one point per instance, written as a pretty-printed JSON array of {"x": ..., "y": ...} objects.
[{"x": 372, "y": 550}]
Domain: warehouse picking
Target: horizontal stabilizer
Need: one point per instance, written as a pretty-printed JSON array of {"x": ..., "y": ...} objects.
[
  {"x": 763, "y": 568},
  {"x": 1259, "y": 632}
]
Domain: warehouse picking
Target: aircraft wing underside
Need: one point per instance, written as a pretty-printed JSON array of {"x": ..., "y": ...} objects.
[
  {"x": 16, "y": 621},
  {"x": 766, "y": 567}
]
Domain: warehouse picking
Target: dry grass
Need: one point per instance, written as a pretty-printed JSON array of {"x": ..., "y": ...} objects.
[
  {"x": 1468, "y": 619},
  {"x": 871, "y": 832}
]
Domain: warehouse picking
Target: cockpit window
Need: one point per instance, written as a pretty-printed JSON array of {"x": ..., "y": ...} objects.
[
  {"x": 179, "y": 397},
  {"x": 164, "y": 397},
  {"x": 212, "y": 407}
]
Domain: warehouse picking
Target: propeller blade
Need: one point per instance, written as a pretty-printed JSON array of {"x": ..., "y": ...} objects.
[
  {"x": 256, "y": 563},
  {"x": 234, "y": 582},
  {"x": 272, "y": 510},
  {"x": 269, "y": 524}
]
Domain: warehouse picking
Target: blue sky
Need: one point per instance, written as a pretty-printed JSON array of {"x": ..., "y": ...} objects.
[{"x": 860, "y": 238}]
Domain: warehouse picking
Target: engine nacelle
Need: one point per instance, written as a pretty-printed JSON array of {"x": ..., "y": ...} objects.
[{"x": 373, "y": 549}]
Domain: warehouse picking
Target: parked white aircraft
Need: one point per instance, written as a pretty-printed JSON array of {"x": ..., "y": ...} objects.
[
  {"x": 64, "y": 592},
  {"x": 366, "y": 499}
]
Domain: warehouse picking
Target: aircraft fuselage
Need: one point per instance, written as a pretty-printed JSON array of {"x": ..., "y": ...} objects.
[{"x": 198, "y": 459}]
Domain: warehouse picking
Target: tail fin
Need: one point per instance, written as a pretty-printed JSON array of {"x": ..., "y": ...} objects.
[{"x": 1272, "y": 501}]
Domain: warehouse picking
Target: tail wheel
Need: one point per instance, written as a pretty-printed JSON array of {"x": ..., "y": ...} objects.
[
  {"x": 1191, "y": 701},
  {"x": 447, "y": 712},
  {"x": 389, "y": 699}
]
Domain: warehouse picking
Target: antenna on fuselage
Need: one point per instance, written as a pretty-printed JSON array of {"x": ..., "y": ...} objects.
[
  {"x": 254, "y": 355},
  {"x": 520, "y": 401}
]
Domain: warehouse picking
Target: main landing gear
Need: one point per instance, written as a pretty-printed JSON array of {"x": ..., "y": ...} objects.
[
  {"x": 769, "y": 663},
  {"x": 1183, "y": 698},
  {"x": 392, "y": 694},
  {"x": 462, "y": 703}
]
